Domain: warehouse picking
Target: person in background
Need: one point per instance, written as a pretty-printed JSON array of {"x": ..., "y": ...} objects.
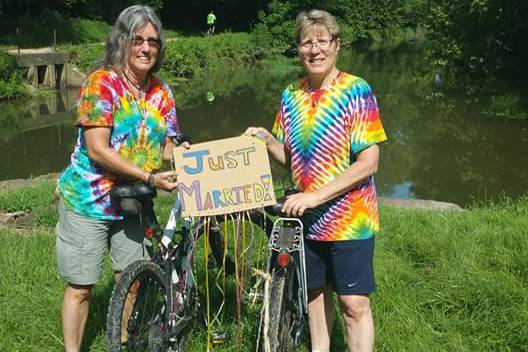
[
  {"x": 327, "y": 131},
  {"x": 211, "y": 23},
  {"x": 126, "y": 120}
]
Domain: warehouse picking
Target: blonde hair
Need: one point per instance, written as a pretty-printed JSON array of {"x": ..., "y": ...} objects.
[{"x": 316, "y": 18}]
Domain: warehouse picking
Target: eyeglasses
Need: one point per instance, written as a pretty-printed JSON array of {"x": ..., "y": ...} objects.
[
  {"x": 152, "y": 42},
  {"x": 322, "y": 44}
]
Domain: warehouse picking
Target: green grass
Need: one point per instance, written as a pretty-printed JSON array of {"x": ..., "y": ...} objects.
[{"x": 446, "y": 282}]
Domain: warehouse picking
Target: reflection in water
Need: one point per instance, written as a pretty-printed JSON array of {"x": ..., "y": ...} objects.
[
  {"x": 437, "y": 149},
  {"x": 402, "y": 190},
  {"x": 36, "y": 135}
]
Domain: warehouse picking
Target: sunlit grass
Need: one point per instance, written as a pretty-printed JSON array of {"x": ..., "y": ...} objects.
[{"x": 447, "y": 281}]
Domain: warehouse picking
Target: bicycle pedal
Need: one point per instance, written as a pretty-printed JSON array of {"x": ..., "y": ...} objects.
[{"x": 219, "y": 337}]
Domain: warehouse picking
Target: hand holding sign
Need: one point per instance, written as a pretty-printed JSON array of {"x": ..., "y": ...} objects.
[{"x": 224, "y": 176}]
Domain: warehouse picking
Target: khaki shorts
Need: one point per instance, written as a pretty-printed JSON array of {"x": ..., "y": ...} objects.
[{"x": 82, "y": 243}]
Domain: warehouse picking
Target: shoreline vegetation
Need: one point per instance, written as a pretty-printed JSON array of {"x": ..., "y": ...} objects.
[
  {"x": 450, "y": 277},
  {"x": 481, "y": 58}
]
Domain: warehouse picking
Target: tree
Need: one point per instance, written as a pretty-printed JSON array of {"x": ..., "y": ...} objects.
[{"x": 478, "y": 38}]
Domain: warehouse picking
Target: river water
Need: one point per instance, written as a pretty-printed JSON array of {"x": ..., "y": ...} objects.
[{"x": 438, "y": 149}]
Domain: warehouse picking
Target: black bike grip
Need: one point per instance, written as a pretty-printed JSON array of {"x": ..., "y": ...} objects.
[
  {"x": 276, "y": 209},
  {"x": 181, "y": 137}
]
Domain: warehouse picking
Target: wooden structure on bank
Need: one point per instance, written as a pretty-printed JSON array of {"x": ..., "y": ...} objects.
[{"x": 47, "y": 67}]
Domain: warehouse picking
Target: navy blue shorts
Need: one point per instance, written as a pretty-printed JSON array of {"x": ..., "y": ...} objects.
[{"x": 346, "y": 265}]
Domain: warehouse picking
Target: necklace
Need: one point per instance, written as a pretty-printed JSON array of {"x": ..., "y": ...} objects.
[
  {"x": 139, "y": 86},
  {"x": 139, "y": 97}
]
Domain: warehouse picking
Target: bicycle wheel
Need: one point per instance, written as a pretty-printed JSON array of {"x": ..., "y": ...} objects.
[
  {"x": 138, "y": 324},
  {"x": 280, "y": 313}
]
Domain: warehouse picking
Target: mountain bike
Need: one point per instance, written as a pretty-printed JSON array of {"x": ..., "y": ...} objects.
[
  {"x": 154, "y": 300},
  {"x": 283, "y": 315}
]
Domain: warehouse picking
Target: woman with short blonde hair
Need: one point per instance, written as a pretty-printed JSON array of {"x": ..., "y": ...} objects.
[{"x": 327, "y": 131}]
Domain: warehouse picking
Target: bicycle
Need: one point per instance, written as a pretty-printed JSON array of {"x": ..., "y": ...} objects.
[
  {"x": 154, "y": 300},
  {"x": 283, "y": 316}
]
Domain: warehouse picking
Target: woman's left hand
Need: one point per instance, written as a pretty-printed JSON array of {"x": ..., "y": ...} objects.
[
  {"x": 167, "y": 180},
  {"x": 296, "y": 204}
]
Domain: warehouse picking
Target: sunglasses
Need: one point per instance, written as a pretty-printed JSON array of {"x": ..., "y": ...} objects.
[{"x": 152, "y": 42}]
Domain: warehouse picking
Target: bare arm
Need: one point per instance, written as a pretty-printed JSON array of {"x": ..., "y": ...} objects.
[
  {"x": 366, "y": 164},
  {"x": 99, "y": 151},
  {"x": 275, "y": 149}
]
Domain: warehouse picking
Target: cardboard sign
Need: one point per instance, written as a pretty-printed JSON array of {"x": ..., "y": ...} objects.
[{"x": 224, "y": 176}]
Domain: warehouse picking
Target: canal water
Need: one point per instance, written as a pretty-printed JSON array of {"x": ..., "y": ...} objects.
[{"x": 441, "y": 149}]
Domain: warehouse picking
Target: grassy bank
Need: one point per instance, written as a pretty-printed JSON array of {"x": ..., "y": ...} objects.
[
  {"x": 184, "y": 56},
  {"x": 194, "y": 66},
  {"x": 446, "y": 281}
]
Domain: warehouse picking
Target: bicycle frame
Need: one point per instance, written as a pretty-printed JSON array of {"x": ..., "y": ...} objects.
[{"x": 176, "y": 263}]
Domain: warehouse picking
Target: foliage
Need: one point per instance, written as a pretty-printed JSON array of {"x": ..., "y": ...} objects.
[
  {"x": 507, "y": 106},
  {"x": 85, "y": 57},
  {"x": 359, "y": 19},
  {"x": 7, "y": 65},
  {"x": 184, "y": 57},
  {"x": 11, "y": 86},
  {"x": 44, "y": 27},
  {"x": 478, "y": 38},
  {"x": 12, "y": 89},
  {"x": 275, "y": 29}
]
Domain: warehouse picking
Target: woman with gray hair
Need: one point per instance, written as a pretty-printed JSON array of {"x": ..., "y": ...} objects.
[
  {"x": 126, "y": 120},
  {"x": 327, "y": 130}
]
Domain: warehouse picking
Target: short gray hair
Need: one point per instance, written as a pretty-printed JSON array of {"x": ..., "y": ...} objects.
[
  {"x": 316, "y": 18},
  {"x": 120, "y": 37}
]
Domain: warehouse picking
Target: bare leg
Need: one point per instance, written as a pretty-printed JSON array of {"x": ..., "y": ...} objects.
[
  {"x": 358, "y": 322},
  {"x": 74, "y": 314},
  {"x": 127, "y": 307},
  {"x": 321, "y": 316}
]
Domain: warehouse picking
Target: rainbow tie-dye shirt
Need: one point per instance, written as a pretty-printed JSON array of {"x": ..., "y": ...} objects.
[
  {"x": 323, "y": 131},
  {"x": 138, "y": 130}
]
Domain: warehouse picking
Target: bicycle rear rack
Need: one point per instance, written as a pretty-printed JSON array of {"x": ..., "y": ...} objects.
[{"x": 287, "y": 235}]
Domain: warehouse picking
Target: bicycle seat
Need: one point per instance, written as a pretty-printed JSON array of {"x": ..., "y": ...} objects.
[
  {"x": 132, "y": 198},
  {"x": 133, "y": 190}
]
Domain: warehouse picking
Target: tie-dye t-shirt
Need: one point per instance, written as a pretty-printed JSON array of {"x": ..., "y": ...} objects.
[
  {"x": 138, "y": 130},
  {"x": 323, "y": 130}
]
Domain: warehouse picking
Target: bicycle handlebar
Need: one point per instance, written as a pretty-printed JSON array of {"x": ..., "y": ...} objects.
[
  {"x": 181, "y": 137},
  {"x": 276, "y": 209}
]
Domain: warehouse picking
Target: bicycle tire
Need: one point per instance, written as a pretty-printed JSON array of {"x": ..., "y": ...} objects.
[
  {"x": 147, "y": 317},
  {"x": 280, "y": 314}
]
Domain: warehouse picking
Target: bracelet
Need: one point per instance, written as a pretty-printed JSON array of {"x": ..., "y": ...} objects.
[{"x": 151, "y": 181}]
